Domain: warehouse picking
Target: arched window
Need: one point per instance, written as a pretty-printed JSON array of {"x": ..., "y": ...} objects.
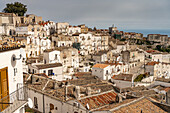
[{"x": 51, "y": 107}]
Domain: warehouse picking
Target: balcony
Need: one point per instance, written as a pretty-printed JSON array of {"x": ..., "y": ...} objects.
[{"x": 14, "y": 101}]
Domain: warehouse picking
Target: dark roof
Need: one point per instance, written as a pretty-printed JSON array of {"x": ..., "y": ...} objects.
[
  {"x": 3, "y": 49},
  {"x": 125, "y": 77},
  {"x": 44, "y": 66},
  {"x": 76, "y": 34},
  {"x": 163, "y": 80},
  {"x": 101, "y": 53},
  {"x": 42, "y": 75},
  {"x": 57, "y": 49}
]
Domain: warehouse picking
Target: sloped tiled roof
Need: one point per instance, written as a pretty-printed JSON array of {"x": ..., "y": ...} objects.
[
  {"x": 125, "y": 77},
  {"x": 152, "y": 63},
  {"x": 98, "y": 101},
  {"x": 102, "y": 66},
  {"x": 167, "y": 89},
  {"x": 152, "y": 51},
  {"x": 101, "y": 53},
  {"x": 51, "y": 65},
  {"x": 138, "y": 105},
  {"x": 141, "y": 105}
]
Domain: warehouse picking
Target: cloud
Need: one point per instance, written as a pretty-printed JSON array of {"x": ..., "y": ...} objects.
[{"x": 126, "y": 14}]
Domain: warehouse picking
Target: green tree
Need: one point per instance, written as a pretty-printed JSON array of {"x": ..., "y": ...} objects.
[
  {"x": 16, "y": 7},
  {"x": 158, "y": 47}
]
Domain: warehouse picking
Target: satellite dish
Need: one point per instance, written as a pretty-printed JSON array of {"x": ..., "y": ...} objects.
[
  {"x": 13, "y": 61},
  {"x": 30, "y": 103}
]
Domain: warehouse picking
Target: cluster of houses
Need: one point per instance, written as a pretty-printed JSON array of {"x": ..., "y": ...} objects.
[{"x": 60, "y": 68}]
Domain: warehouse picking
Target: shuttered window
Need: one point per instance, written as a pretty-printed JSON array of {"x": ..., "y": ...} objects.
[{"x": 4, "y": 89}]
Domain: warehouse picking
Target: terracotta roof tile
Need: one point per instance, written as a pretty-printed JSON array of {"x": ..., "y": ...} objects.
[
  {"x": 102, "y": 66},
  {"x": 167, "y": 89},
  {"x": 143, "y": 105},
  {"x": 99, "y": 100},
  {"x": 152, "y": 63}
]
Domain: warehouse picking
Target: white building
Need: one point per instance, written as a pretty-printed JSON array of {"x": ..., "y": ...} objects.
[
  {"x": 11, "y": 76},
  {"x": 123, "y": 80},
  {"x": 158, "y": 69},
  {"x": 49, "y": 27},
  {"x": 53, "y": 70},
  {"x": 36, "y": 45},
  {"x": 62, "y": 40},
  {"x": 102, "y": 71},
  {"x": 118, "y": 67},
  {"x": 25, "y": 30},
  {"x": 100, "y": 57},
  {"x": 97, "y": 40},
  {"x": 62, "y": 27},
  {"x": 161, "y": 57},
  {"x": 74, "y": 30},
  {"x": 121, "y": 47},
  {"x": 51, "y": 56}
]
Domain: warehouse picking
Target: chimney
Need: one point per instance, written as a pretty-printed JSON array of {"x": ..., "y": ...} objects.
[
  {"x": 55, "y": 85},
  {"x": 120, "y": 98},
  {"x": 88, "y": 91},
  {"x": 66, "y": 92},
  {"x": 77, "y": 92},
  {"x": 33, "y": 79}
]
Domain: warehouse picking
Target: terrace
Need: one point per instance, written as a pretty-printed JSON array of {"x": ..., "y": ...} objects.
[{"x": 13, "y": 101}]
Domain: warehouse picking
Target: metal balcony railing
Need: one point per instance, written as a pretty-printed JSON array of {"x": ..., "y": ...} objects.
[{"x": 13, "y": 101}]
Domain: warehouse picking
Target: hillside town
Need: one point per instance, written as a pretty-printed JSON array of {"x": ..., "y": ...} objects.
[{"x": 49, "y": 67}]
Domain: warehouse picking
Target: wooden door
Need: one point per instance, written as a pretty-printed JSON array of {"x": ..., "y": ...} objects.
[{"x": 4, "y": 90}]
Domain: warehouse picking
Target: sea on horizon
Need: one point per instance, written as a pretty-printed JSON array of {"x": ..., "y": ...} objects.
[{"x": 149, "y": 31}]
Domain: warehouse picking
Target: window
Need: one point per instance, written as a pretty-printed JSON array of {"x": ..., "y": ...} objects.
[
  {"x": 33, "y": 71},
  {"x": 55, "y": 56},
  {"x": 38, "y": 29},
  {"x": 106, "y": 71},
  {"x": 56, "y": 108},
  {"x": 44, "y": 71},
  {"x": 32, "y": 29},
  {"x": 35, "y": 102},
  {"x": 29, "y": 70},
  {"x": 22, "y": 20},
  {"x": 51, "y": 107},
  {"x": 71, "y": 31},
  {"x": 50, "y": 72}
]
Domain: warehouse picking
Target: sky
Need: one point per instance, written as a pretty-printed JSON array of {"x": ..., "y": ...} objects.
[{"x": 125, "y": 14}]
